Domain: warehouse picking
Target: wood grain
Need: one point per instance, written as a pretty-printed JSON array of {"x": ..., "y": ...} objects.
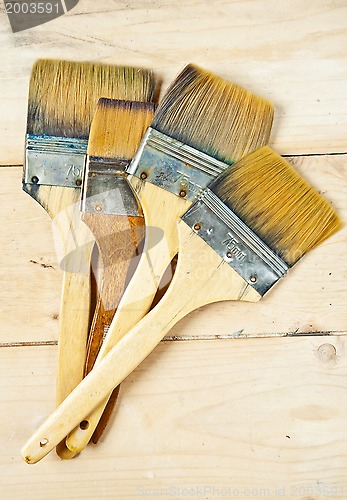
[
  {"x": 291, "y": 53},
  {"x": 242, "y": 414}
]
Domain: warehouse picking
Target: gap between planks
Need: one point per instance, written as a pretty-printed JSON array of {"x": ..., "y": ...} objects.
[
  {"x": 332, "y": 153},
  {"x": 189, "y": 338}
]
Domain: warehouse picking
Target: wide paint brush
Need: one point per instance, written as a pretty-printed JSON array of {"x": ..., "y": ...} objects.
[
  {"x": 243, "y": 234},
  {"x": 62, "y": 100},
  {"x": 109, "y": 207},
  {"x": 203, "y": 124}
]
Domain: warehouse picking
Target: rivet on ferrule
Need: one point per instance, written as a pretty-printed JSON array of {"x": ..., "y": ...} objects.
[{"x": 98, "y": 208}]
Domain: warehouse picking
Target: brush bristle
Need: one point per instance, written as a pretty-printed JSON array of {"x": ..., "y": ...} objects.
[
  {"x": 63, "y": 94},
  {"x": 277, "y": 204},
  {"x": 213, "y": 115},
  {"x": 118, "y": 128}
]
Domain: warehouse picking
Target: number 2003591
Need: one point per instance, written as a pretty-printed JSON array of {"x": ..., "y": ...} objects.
[{"x": 33, "y": 7}]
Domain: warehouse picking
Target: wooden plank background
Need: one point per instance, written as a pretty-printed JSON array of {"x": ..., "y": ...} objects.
[{"x": 216, "y": 413}]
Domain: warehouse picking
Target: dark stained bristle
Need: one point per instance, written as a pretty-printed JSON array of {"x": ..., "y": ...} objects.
[
  {"x": 277, "y": 204},
  {"x": 213, "y": 115},
  {"x": 118, "y": 128},
  {"x": 63, "y": 94}
]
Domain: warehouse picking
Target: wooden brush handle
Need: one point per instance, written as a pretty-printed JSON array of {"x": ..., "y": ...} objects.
[
  {"x": 105, "y": 417},
  {"x": 197, "y": 281},
  {"x": 75, "y": 308},
  {"x": 101, "y": 321},
  {"x": 74, "y": 317},
  {"x": 118, "y": 238},
  {"x": 76, "y": 244},
  {"x": 161, "y": 211}
]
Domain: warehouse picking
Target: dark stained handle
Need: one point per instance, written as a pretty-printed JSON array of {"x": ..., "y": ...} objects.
[{"x": 118, "y": 238}]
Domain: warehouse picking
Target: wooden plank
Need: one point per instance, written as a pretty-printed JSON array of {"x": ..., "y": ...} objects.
[
  {"x": 310, "y": 299},
  {"x": 290, "y": 52},
  {"x": 31, "y": 279},
  {"x": 266, "y": 415}
]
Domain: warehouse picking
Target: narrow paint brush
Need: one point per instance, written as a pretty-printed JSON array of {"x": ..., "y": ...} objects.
[
  {"x": 109, "y": 207},
  {"x": 203, "y": 124},
  {"x": 242, "y": 235},
  {"x": 62, "y": 99}
]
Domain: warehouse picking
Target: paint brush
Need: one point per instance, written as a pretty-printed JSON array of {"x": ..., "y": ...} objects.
[
  {"x": 62, "y": 99},
  {"x": 203, "y": 124},
  {"x": 110, "y": 209},
  {"x": 243, "y": 234}
]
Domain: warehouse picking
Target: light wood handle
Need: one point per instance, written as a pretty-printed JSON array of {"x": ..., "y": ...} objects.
[
  {"x": 74, "y": 317},
  {"x": 193, "y": 285},
  {"x": 75, "y": 244}
]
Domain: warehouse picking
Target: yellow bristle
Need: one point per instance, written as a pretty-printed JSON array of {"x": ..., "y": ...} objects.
[
  {"x": 213, "y": 115},
  {"x": 63, "y": 94},
  {"x": 118, "y": 128},
  {"x": 277, "y": 204}
]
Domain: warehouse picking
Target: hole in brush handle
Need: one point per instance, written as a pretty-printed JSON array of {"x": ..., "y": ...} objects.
[{"x": 84, "y": 425}]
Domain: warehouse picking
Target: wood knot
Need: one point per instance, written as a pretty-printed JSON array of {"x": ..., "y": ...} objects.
[{"x": 327, "y": 353}]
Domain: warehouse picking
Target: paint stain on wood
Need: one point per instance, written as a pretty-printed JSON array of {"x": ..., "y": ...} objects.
[{"x": 42, "y": 264}]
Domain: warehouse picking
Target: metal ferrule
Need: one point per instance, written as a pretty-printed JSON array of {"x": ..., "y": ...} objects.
[
  {"x": 106, "y": 189},
  {"x": 54, "y": 161},
  {"x": 174, "y": 166},
  {"x": 235, "y": 242}
]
